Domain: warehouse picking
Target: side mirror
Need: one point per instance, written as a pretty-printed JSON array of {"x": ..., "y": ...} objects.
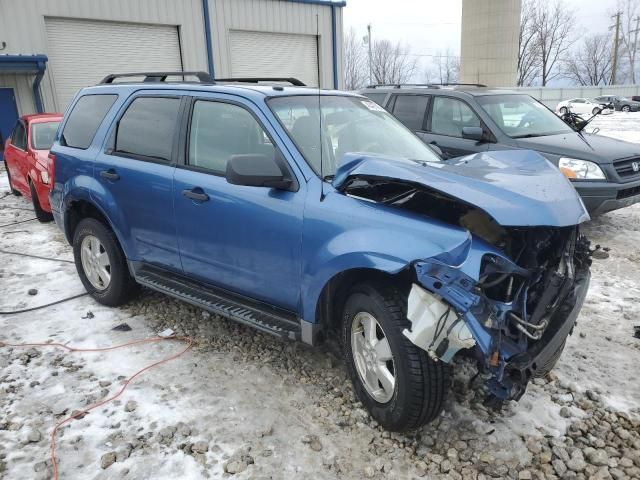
[
  {"x": 473, "y": 133},
  {"x": 254, "y": 170}
]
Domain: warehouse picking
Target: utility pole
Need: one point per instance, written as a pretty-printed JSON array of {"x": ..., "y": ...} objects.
[
  {"x": 616, "y": 44},
  {"x": 370, "y": 56},
  {"x": 634, "y": 49}
]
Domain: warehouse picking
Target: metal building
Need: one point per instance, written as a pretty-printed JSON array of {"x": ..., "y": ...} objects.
[
  {"x": 51, "y": 48},
  {"x": 489, "y": 46}
]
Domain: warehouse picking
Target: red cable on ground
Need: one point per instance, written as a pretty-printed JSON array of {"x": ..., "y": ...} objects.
[{"x": 81, "y": 413}]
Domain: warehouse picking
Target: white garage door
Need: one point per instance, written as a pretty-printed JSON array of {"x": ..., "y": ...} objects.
[
  {"x": 261, "y": 54},
  {"x": 82, "y": 52}
]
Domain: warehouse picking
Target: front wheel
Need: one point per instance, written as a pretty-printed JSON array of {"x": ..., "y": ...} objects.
[
  {"x": 563, "y": 110},
  {"x": 626, "y": 108},
  {"x": 398, "y": 383},
  {"x": 101, "y": 264}
]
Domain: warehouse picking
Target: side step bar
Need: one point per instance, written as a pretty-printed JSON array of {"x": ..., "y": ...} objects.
[{"x": 265, "y": 318}]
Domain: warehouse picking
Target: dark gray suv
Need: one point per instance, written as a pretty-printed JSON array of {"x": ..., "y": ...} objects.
[{"x": 461, "y": 120}]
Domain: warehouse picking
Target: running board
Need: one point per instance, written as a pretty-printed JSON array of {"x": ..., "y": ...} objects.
[{"x": 261, "y": 316}]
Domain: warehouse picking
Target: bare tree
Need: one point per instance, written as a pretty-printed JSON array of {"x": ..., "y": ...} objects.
[
  {"x": 445, "y": 67},
  {"x": 528, "y": 52},
  {"x": 392, "y": 63},
  {"x": 591, "y": 63},
  {"x": 629, "y": 29},
  {"x": 355, "y": 62},
  {"x": 553, "y": 24}
]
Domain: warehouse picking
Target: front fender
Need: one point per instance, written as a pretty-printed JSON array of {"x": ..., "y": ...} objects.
[{"x": 344, "y": 233}]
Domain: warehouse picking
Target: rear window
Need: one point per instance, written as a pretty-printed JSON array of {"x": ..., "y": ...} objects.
[
  {"x": 43, "y": 134},
  {"x": 147, "y": 128},
  {"x": 85, "y": 118}
]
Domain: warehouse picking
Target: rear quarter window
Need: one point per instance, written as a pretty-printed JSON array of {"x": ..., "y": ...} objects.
[{"x": 85, "y": 118}]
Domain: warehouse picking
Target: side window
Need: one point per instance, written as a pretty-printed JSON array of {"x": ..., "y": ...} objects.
[
  {"x": 85, "y": 118},
  {"x": 19, "y": 137},
  {"x": 220, "y": 131},
  {"x": 450, "y": 116},
  {"x": 148, "y": 127},
  {"x": 410, "y": 110}
]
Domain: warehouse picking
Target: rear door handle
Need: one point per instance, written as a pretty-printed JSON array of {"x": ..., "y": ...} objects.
[
  {"x": 196, "y": 194},
  {"x": 110, "y": 175}
]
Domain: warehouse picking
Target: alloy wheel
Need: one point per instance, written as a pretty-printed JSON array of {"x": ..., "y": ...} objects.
[
  {"x": 372, "y": 356},
  {"x": 95, "y": 262}
]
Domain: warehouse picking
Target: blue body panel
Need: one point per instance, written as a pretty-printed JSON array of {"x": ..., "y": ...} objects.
[
  {"x": 515, "y": 187},
  {"x": 283, "y": 247}
]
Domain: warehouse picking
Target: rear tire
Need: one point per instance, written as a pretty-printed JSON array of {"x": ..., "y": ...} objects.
[
  {"x": 595, "y": 111},
  {"x": 13, "y": 190},
  {"x": 41, "y": 215},
  {"x": 102, "y": 266},
  {"x": 420, "y": 384}
]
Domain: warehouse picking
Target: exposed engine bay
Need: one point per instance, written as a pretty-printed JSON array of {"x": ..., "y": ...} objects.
[{"x": 518, "y": 307}]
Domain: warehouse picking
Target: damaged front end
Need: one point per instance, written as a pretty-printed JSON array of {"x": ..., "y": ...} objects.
[
  {"x": 511, "y": 293},
  {"x": 517, "y": 314}
]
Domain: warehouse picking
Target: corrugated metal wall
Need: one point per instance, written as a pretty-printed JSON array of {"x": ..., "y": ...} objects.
[
  {"x": 276, "y": 16},
  {"x": 22, "y": 27}
]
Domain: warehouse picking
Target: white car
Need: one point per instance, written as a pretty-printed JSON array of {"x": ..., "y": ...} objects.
[{"x": 581, "y": 106}]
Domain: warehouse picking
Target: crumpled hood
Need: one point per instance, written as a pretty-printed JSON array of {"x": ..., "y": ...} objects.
[
  {"x": 596, "y": 148},
  {"x": 517, "y": 188}
]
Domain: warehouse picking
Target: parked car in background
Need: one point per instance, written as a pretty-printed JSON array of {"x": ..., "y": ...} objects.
[
  {"x": 581, "y": 106},
  {"x": 620, "y": 104},
  {"x": 26, "y": 158},
  {"x": 308, "y": 213},
  {"x": 461, "y": 120},
  {"x": 635, "y": 98}
]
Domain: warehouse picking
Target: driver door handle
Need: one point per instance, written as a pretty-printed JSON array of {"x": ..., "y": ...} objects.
[
  {"x": 196, "y": 194},
  {"x": 110, "y": 175}
]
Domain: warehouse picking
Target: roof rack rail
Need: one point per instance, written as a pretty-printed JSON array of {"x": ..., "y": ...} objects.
[
  {"x": 203, "y": 77},
  {"x": 455, "y": 84},
  {"x": 426, "y": 85},
  {"x": 293, "y": 81}
]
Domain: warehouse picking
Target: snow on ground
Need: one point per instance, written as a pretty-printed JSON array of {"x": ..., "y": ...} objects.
[{"x": 248, "y": 403}]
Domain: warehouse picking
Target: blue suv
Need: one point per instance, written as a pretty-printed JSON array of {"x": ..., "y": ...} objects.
[{"x": 309, "y": 214}]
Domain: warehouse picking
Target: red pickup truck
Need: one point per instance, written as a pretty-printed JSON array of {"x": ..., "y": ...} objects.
[{"x": 26, "y": 158}]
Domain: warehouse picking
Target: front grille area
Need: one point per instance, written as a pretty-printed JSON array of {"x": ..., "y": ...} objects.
[
  {"x": 625, "y": 167},
  {"x": 628, "y": 192}
]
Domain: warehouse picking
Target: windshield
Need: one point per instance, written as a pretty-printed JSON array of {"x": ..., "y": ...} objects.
[
  {"x": 349, "y": 125},
  {"x": 43, "y": 134},
  {"x": 521, "y": 116}
]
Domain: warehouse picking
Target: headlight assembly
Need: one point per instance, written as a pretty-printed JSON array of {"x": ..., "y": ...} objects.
[{"x": 575, "y": 169}]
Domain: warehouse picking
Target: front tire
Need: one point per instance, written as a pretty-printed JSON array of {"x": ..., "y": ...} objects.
[
  {"x": 563, "y": 110},
  {"x": 626, "y": 108},
  {"x": 41, "y": 215},
  {"x": 401, "y": 387},
  {"x": 101, "y": 264}
]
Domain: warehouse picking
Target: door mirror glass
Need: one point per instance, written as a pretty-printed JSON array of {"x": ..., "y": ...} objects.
[
  {"x": 473, "y": 133},
  {"x": 256, "y": 170}
]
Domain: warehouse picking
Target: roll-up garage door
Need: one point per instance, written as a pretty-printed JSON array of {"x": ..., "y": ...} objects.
[
  {"x": 262, "y": 54},
  {"x": 82, "y": 52}
]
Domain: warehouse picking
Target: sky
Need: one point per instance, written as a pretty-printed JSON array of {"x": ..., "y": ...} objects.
[{"x": 430, "y": 27}]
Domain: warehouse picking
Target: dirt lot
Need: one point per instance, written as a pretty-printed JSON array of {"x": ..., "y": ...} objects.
[{"x": 250, "y": 406}]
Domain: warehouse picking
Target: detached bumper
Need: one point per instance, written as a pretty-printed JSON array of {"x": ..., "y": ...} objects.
[{"x": 602, "y": 197}]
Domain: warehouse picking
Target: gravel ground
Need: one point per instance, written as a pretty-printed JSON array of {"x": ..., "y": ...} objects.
[{"x": 246, "y": 405}]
